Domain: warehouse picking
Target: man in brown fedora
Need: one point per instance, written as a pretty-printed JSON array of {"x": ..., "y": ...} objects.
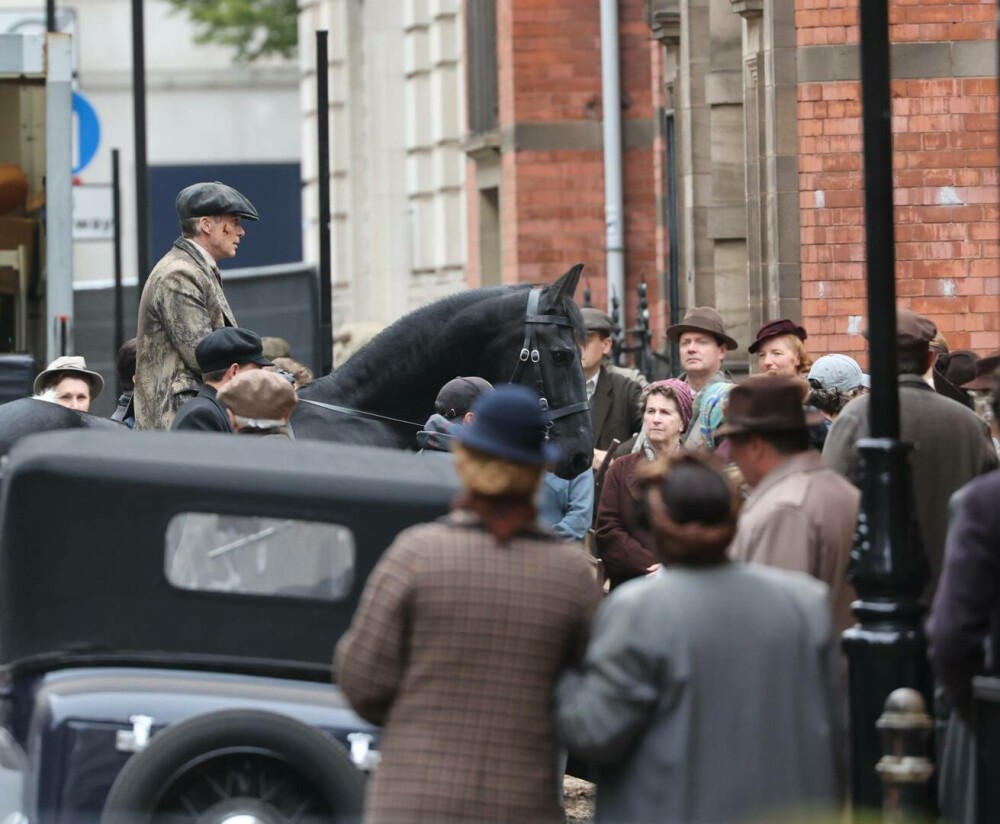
[
  {"x": 801, "y": 514},
  {"x": 702, "y": 343},
  {"x": 951, "y": 443}
]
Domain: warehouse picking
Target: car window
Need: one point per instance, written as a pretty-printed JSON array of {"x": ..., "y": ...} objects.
[{"x": 259, "y": 556}]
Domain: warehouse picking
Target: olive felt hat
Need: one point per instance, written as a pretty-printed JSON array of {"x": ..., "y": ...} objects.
[
  {"x": 767, "y": 404},
  {"x": 702, "y": 319},
  {"x": 212, "y": 199},
  {"x": 73, "y": 366}
]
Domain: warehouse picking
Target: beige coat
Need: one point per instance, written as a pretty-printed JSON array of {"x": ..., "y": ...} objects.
[
  {"x": 181, "y": 303},
  {"x": 455, "y": 649},
  {"x": 801, "y": 517}
]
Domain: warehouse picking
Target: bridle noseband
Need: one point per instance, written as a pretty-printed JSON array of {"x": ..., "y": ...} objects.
[{"x": 530, "y": 354}]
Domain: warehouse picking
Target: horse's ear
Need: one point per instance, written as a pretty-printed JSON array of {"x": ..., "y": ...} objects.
[{"x": 565, "y": 288}]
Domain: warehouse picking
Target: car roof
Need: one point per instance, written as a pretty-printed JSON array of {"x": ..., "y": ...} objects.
[{"x": 83, "y": 519}]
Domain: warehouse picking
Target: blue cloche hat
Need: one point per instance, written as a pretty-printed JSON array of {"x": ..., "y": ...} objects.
[{"x": 509, "y": 423}]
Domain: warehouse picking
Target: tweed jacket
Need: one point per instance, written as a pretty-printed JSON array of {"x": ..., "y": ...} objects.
[
  {"x": 624, "y": 552},
  {"x": 709, "y": 695},
  {"x": 181, "y": 303},
  {"x": 203, "y": 413},
  {"x": 455, "y": 650},
  {"x": 951, "y": 446},
  {"x": 614, "y": 408},
  {"x": 801, "y": 517}
]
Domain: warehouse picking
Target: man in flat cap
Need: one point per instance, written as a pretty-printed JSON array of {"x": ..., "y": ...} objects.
[
  {"x": 951, "y": 443},
  {"x": 614, "y": 397},
  {"x": 260, "y": 403},
  {"x": 221, "y": 356},
  {"x": 183, "y": 300}
]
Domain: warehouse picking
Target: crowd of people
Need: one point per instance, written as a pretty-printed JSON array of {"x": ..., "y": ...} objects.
[{"x": 718, "y": 515}]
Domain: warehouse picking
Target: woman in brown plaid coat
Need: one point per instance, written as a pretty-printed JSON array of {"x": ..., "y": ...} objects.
[{"x": 462, "y": 631}]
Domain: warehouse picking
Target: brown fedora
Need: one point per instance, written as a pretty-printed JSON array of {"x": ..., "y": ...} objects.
[
  {"x": 766, "y": 404},
  {"x": 702, "y": 319},
  {"x": 986, "y": 374}
]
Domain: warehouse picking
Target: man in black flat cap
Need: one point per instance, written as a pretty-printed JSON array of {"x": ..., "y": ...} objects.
[
  {"x": 183, "y": 301},
  {"x": 951, "y": 443},
  {"x": 221, "y": 356}
]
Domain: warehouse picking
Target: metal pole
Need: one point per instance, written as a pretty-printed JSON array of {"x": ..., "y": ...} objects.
[
  {"x": 139, "y": 127},
  {"x": 116, "y": 210},
  {"x": 888, "y": 567},
  {"x": 614, "y": 209},
  {"x": 323, "y": 181},
  {"x": 673, "y": 266}
]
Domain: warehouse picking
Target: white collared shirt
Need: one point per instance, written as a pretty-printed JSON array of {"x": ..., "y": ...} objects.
[
  {"x": 592, "y": 385},
  {"x": 212, "y": 265}
]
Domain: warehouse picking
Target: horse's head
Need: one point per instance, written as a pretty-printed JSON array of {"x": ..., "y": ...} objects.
[{"x": 544, "y": 337}]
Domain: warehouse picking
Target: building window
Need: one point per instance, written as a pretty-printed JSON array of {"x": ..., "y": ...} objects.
[{"x": 481, "y": 44}]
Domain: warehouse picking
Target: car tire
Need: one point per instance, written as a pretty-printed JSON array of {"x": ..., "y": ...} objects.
[{"x": 178, "y": 750}]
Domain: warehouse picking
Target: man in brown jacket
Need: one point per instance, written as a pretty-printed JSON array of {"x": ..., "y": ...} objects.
[
  {"x": 183, "y": 301},
  {"x": 463, "y": 629},
  {"x": 801, "y": 514}
]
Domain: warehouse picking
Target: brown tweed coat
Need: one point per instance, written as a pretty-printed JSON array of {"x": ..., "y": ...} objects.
[
  {"x": 181, "y": 303},
  {"x": 455, "y": 650}
]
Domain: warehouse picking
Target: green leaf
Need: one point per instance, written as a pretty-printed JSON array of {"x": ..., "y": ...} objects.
[{"x": 255, "y": 28}]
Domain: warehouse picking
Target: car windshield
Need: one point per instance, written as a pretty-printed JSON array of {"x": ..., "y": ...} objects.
[{"x": 255, "y": 555}]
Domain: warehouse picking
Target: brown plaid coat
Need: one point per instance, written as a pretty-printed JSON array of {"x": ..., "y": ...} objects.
[
  {"x": 455, "y": 650},
  {"x": 181, "y": 303}
]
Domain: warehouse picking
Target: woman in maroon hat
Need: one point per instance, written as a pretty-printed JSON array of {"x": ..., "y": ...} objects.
[{"x": 780, "y": 349}]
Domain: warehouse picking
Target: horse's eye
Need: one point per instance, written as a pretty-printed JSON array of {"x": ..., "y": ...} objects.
[{"x": 560, "y": 357}]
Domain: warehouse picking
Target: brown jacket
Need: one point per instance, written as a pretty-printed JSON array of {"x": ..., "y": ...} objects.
[
  {"x": 181, "y": 303},
  {"x": 801, "y": 517},
  {"x": 455, "y": 649},
  {"x": 624, "y": 552},
  {"x": 951, "y": 446},
  {"x": 614, "y": 408}
]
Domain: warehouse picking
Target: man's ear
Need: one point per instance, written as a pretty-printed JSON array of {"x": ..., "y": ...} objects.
[
  {"x": 468, "y": 418},
  {"x": 606, "y": 344}
]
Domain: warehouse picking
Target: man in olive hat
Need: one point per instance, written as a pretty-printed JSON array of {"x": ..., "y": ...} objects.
[
  {"x": 183, "y": 300},
  {"x": 801, "y": 514},
  {"x": 951, "y": 443},
  {"x": 614, "y": 397},
  {"x": 703, "y": 343}
]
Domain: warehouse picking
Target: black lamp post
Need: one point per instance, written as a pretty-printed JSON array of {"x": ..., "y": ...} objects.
[{"x": 886, "y": 649}]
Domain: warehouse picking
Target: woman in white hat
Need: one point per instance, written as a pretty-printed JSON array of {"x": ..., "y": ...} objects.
[{"x": 68, "y": 382}]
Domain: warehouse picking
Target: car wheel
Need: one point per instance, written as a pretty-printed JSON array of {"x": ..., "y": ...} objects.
[{"x": 237, "y": 767}]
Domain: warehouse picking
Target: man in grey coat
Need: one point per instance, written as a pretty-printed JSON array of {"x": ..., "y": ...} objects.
[
  {"x": 709, "y": 692},
  {"x": 951, "y": 444},
  {"x": 182, "y": 302}
]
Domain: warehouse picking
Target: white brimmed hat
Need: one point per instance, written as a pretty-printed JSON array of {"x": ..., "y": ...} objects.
[{"x": 74, "y": 366}]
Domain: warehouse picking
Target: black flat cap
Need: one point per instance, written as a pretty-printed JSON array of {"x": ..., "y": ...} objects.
[
  {"x": 211, "y": 199},
  {"x": 224, "y": 347}
]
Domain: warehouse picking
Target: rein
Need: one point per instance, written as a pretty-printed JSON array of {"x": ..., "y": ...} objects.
[{"x": 529, "y": 354}]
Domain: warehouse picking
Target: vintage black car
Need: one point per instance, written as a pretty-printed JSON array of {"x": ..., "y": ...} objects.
[{"x": 169, "y": 605}]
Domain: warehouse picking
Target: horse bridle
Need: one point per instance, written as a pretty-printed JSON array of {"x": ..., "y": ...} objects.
[{"x": 530, "y": 354}]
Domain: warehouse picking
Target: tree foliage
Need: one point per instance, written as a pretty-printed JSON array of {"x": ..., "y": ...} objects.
[{"x": 255, "y": 28}]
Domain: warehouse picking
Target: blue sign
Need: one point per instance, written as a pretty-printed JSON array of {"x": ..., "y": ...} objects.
[{"x": 88, "y": 132}]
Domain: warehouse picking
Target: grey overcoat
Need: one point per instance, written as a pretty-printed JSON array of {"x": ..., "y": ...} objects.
[
  {"x": 455, "y": 649},
  {"x": 951, "y": 446},
  {"x": 709, "y": 695},
  {"x": 181, "y": 303}
]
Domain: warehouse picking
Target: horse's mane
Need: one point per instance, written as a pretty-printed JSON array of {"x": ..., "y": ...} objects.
[{"x": 431, "y": 344}]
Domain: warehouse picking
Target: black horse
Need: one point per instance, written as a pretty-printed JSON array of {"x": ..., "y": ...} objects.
[{"x": 504, "y": 334}]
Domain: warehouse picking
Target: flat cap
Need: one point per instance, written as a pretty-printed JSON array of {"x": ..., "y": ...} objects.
[
  {"x": 594, "y": 320},
  {"x": 211, "y": 199},
  {"x": 913, "y": 330},
  {"x": 457, "y": 396},
  {"x": 260, "y": 395},
  {"x": 837, "y": 371},
  {"x": 224, "y": 347}
]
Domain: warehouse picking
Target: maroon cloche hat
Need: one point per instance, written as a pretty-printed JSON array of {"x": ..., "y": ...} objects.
[{"x": 774, "y": 328}]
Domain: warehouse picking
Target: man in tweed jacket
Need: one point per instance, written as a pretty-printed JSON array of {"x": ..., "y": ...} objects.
[
  {"x": 462, "y": 631},
  {"x": 183, "y": 301}
]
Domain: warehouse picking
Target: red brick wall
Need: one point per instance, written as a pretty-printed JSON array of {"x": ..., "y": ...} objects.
[
  {"x": 945, "y": 174},
  {"x": 552, "y": 202}
]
